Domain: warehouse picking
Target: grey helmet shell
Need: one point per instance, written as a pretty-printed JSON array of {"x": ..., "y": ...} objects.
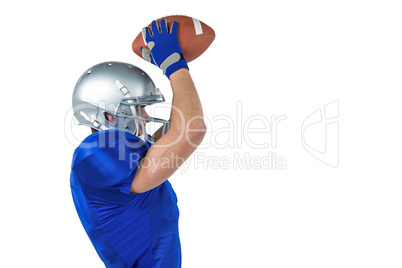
[{"x": 119, "y": 89}]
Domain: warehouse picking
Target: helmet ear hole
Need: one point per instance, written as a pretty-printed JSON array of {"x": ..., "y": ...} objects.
[{"x": 109, "y": 118}]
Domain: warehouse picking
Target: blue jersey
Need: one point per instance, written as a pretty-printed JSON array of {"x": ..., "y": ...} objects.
[{"x": 126, "y": 229}]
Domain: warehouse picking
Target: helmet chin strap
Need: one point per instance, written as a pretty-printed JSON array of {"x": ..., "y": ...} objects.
[
  {"x": 126, "y": 94},
  {"x": 95, "y": 124}
]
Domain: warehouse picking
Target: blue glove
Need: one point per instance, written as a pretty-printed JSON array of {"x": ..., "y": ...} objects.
[{"x": 164, "y": 49}]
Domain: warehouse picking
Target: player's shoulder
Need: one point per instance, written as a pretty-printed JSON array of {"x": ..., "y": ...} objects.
[
  {"x": 111, "y": 138},
  {"x": 110, "y": 142}
]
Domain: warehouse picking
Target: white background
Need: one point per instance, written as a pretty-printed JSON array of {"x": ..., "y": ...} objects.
[{"x": 276, "y": 58}]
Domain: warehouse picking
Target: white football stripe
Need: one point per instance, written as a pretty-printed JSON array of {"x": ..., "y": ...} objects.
[
  {"x": 143, "y": 38},
  {"x": 197, "y": 26}
]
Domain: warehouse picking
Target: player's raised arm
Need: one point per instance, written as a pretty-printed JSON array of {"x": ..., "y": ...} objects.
[{"x": 187, "y": 127}]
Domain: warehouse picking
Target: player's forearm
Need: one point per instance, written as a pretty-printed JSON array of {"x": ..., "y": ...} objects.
[{"x": 187, "y": 112}]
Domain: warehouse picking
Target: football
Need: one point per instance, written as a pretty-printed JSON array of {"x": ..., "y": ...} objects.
[{"x": 193, "y": 35}]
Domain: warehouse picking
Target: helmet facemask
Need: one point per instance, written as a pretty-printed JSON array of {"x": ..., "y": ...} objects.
[{"x": 129, "y": 116}]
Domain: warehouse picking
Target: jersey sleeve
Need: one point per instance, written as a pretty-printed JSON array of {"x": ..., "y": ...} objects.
[{"x": 108, "y": 161}]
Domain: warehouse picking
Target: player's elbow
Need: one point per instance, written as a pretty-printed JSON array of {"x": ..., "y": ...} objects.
[{"x": 195, "y": 133}]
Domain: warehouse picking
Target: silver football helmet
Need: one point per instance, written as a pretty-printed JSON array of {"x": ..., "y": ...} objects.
[{"x": 120, "y": 89}]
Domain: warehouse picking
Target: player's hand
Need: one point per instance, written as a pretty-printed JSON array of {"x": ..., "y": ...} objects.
[{"x": 164, "y": 49}]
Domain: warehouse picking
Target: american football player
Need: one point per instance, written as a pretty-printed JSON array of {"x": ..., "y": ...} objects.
[{"x": 128, "y": 208}]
